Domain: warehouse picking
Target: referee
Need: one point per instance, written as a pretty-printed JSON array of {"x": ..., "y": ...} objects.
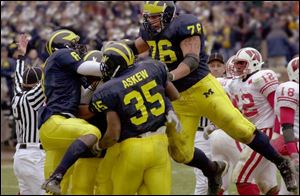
[{"x": 28, "y": 97}]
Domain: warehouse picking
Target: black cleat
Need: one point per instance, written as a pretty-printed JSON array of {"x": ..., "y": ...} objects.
[
  {"x": 215, "y": 182},
  {"x": 286, "y": 171},
  {"x": 52, "y": 185}
]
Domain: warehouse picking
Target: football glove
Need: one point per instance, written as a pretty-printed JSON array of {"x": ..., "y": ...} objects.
[
  {"x": 208, "y": 130},
  {"x": 173, "y": 120}
]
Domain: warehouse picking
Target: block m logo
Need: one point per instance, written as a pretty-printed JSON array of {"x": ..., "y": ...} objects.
[{"x": 209, "y": 92}]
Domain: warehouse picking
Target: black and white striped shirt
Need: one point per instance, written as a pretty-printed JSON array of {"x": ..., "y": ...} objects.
[{"x": 25, "y": 105}]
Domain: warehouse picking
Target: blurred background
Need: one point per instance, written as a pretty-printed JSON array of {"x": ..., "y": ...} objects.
[{"x": 272, "y": 27}]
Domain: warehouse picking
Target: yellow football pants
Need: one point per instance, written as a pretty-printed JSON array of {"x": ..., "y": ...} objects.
[
  {"x": 205, "y": 98},
  {"x": 56, "y": 135},
  {"x": 143, "y": 161}
]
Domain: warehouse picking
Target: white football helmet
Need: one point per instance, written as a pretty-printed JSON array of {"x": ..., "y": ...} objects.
[
  {"x": 293, "y": 69},
  {"x": 229, "y": 67},
  {"x": 252, "y": 58}
]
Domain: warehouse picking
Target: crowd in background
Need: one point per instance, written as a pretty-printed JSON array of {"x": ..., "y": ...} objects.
[{"x": 272, "y": 27}]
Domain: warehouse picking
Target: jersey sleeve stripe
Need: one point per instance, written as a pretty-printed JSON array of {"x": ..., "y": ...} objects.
[
  {"x": 267, "y": 86},
  {"x": 295, "y": 101}
]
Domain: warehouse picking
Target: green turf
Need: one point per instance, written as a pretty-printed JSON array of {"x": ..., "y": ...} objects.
[
  {"x": 183, "y": 180},
  {"x": 9, "y": 184}
]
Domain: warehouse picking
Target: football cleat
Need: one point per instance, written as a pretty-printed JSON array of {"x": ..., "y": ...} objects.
[
  {"x": 52, "y": 185},
  {"x": 215, "y": 182},
  {"x": 286, "y": 171}
]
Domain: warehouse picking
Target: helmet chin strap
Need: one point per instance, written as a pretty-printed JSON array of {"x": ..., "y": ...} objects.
[{"x": 115, "y": 72}]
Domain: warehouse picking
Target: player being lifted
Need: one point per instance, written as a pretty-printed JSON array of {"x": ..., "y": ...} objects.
[
  {"x": 287, "y": 111},
  {"x": 178, "y": 41}
]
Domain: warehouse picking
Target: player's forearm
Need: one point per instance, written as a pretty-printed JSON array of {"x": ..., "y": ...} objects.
[
  {"x": 84, "y": 112},
  {"x": 107, "y": 141},
  {"x": 171, "y": 91},
  {"x": 180, "y": 72}
]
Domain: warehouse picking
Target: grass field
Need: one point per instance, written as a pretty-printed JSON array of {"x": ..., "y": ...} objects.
[{"x": 183, "y": 180}]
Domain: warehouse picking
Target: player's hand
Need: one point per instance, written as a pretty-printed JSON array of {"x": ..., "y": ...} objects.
[
  {"x": 173, "y": 120},
  {"x": 96, "y": 150},
  {"x": 22, "y": 42},
  {"x": 208, "y": 130}
]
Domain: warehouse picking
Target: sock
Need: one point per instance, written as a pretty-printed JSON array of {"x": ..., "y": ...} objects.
[
  {"x": 71, "y": 156},
  {"x": 201, "y": 161},
  {"x": 247, "y": 189},
  {"x": 261, "y": 144}
]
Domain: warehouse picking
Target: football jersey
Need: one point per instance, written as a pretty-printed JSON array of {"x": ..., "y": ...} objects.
[
  {"x": 287, "y": 95},
  {"x": 61, "y": 84},
  {"x": 166, "y": 47},
  {"x": 251, "y": 97},
  {"x": 138, "y": 96}
]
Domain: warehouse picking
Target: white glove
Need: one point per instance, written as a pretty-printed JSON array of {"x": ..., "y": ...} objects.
[
  {"x": 174, "y": 121},
  {"x": 208, "y": 130}
]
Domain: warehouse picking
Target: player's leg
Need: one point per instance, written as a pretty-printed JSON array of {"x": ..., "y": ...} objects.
[
  {"x": 157, "y": 176},
  {"x": 84, "y": 176},
  {"x": 243, "y": 175},
  {"x": 201, "y": 180},
  {"x": 58, "y": 133},
  {"x": 223, "y": 114},
  {"x": 189, "y": 108},
  {"x": 128, "y": 171},
  {"x": 267, "y": 179},
  {"x": 103, "y": 184},
  {"x": 228, "y": 150}
]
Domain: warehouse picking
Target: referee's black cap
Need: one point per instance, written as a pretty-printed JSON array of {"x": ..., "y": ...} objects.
[{"x": 32, "y": 75}]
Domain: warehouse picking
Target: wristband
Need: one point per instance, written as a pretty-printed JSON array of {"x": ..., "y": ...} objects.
[{"x": 171, "y": 76}]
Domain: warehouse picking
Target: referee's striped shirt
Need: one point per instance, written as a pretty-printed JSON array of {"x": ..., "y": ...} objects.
[{"x": 25, "y": 105}]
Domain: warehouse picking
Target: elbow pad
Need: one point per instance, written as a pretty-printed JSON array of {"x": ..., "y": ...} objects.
[{"x": 192, "y": 61}]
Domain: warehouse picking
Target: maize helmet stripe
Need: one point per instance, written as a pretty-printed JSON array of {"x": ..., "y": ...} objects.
[
  {"x": 69, "y": 37},
  {"x": 130, "y": 53},
  {"x": 89, "y": 54},
  {"x": 129, "y": 57},
  {"x": 154, "y": 7}
]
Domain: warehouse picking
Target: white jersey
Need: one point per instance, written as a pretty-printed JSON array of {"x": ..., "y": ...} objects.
[
  {"x": 287, "y": 95},
  {"x": 251, "y": 96},
  {"x": 226, "y": 83}
]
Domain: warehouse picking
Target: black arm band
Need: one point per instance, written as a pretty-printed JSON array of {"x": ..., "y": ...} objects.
[
  {"x": 131, "y": 45},
  {"x": 192, "y": 61},
  {"x": 288, "y": 133}
]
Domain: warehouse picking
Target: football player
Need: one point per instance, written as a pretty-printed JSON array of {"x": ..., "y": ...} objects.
[
  {"x": 287, "y": 111},
  {"x": 178, "y": 41},
  {"x": 254, "y": 92},
  {"x": 64, "y": 136},
  {"x": 217, "y": 68},
  {"x": 136, "y": 102}
]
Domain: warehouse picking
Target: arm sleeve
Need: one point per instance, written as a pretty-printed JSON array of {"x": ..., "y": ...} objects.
[
  {"x": 267, "y": 82},
  {"x": 103, "y": 101},
  {"x": 287, "y": 115},
  {"x": 18, "y": 74},
  {"x": 271, "y": 98}
]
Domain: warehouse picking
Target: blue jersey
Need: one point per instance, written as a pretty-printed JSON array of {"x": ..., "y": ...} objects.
[
  {"x": 166, "y": 47},
  {"x": 61, "y": 84},
  {"x": 138, "y": 96}
]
